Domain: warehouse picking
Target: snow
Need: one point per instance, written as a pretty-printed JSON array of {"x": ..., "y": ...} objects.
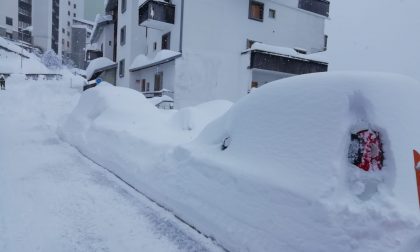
[
  {"x": 143, "y": 61},
  {"x": 284, "y": 182},
  {"x": 11, "y": 60},
  {"x": 97, "y": 64},
  {"x": 52, "y": 198},
  {"x": 159, "y": 99},
  {"x": 284, "y": 51}
]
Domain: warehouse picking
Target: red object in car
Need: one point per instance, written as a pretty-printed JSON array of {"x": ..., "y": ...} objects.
[{"x": 366, "y": 151}]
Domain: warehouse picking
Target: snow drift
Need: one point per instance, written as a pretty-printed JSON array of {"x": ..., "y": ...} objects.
[{"x": 284, "y": 182}]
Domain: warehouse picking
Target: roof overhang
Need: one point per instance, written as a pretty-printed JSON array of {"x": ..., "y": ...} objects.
[
  {"x": 98, "y": 71},
  {"x": 160, "y": 62}
]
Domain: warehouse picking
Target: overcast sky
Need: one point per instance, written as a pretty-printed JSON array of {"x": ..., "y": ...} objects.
[
  {"x": 93, "y": 7},
  {"x": 375, "y": 35}
]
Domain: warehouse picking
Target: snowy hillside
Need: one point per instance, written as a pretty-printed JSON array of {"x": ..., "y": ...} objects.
[
  {"x": 12, "y": 56},
  {"x": 272, "y": 173},
  {"x": 19, "y": 62}
]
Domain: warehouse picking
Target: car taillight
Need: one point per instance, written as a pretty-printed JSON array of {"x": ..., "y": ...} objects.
[{"x": 366, "y": 150}]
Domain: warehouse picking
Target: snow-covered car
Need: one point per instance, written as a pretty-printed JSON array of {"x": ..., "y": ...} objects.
[{"x": 317, "y": 162}]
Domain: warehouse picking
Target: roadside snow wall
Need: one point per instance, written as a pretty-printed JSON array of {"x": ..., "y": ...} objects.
[{"x": 284, "y": 182}]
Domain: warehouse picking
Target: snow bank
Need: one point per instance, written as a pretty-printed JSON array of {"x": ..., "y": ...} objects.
[{"x": 284, "y": 182}]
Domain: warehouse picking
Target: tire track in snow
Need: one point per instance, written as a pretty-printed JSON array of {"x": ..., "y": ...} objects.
[{"x": 164, "y": 225}]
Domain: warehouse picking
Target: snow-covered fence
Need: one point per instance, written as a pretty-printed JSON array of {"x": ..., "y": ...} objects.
[{"x": 44, "y": 76}]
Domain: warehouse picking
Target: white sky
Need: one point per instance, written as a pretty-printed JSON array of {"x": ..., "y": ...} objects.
[{"x": 375, "y": 35}]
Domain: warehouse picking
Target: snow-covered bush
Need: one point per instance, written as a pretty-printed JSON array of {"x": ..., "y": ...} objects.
[{"x": 51, "y": 60}]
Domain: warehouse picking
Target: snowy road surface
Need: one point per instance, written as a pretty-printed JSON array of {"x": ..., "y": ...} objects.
[{"x": 53, "y": 199}]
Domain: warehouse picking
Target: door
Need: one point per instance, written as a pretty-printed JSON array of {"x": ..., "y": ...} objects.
[{"x": 158, "y": 81}]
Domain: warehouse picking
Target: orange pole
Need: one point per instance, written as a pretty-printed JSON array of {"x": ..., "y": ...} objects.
[{"x": 417, "y": 169}]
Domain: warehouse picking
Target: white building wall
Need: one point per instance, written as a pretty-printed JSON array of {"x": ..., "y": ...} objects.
[
  {"x": 215, "y": 33},
  {"x": 168, "y": 70},
  {"x": 42, "y": 23},
  {"x": 106, "y": 41},
  {"x": 135, "y": 41},
  {"x": 212, "y": 66},
  {"x": 9, "y": 8},
  {"x": 67, "y": 12}
]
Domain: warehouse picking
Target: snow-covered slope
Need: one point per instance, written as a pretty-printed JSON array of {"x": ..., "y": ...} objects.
[
  {"x": 11, "y": 60},
  {"x": 284, "y": 183}
]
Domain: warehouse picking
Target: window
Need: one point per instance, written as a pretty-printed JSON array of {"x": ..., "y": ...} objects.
[
  {"x": 68, "y": 33},
  {"x": 166, "y": 41},
  {"x": 62, "y": 41},
  {"x": 68, "y": 44},
  {"x": 123, "y": 6},
  {"x": 155, "y": 46},
  {"x": 69, "y": 3},
  {"x": 9, "y": 35},
  {"x": 272, "y": 13},
  {"x": 122, "y": 68},
  {"x": 74, "y": 6},
  {"x": 321, "y": 7},
  {"x": 68, "y": 13},
  {"x": 110, "y": 43},
  {"x": 64, "y": 31},
  {"x": 9, "y": 21},
  {"x": 68, "y": 23},
  {"x": 122, "y": 36},
  {"x": 74, "y": 14},
  {"x": 256, "y": 10},
  {"x": 325, "y": 42}
]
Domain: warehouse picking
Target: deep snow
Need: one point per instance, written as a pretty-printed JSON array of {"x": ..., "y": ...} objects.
[
  {"x": 54, "y": 199},
  {"x": 284, "y": 183}
]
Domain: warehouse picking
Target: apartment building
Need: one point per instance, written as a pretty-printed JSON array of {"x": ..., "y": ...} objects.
[
  {"x": 52, "y": 24},
  {"x": 81, "y": 31},
  {"x": 196, "y": 51},
  {"x": 16, "y": 20}
]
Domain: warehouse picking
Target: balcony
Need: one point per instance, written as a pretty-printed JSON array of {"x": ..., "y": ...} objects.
[
  {"x": 157, "y": 15},
  {"x": 321, "y": 7},
  {"x": 269, "y": 61}
]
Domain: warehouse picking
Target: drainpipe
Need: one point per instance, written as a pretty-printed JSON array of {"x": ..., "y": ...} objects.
[{"x": 181, "y": 34}]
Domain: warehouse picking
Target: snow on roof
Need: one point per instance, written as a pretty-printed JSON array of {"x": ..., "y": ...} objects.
[
  {"x": 157, "y": 100},
  {"x": 93, "y": 47},
  {"x": 79, "y": 26},
  {"x": 100, "y": 22},
  {"x": 97, "y": 65},
  {"x": 142, "y": 61},
  {"x": 286, "y": 51},
  {"x": 8, "y": 45},
  {"x": 84, "y": 21}
]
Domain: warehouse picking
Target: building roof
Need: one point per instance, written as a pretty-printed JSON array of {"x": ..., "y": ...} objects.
[
  {"x": 100, "y": 22},
  {"x": 285, "y": 51},
  {"x": 142, "y": 61},
  {"x": 99, "y": 65}
]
